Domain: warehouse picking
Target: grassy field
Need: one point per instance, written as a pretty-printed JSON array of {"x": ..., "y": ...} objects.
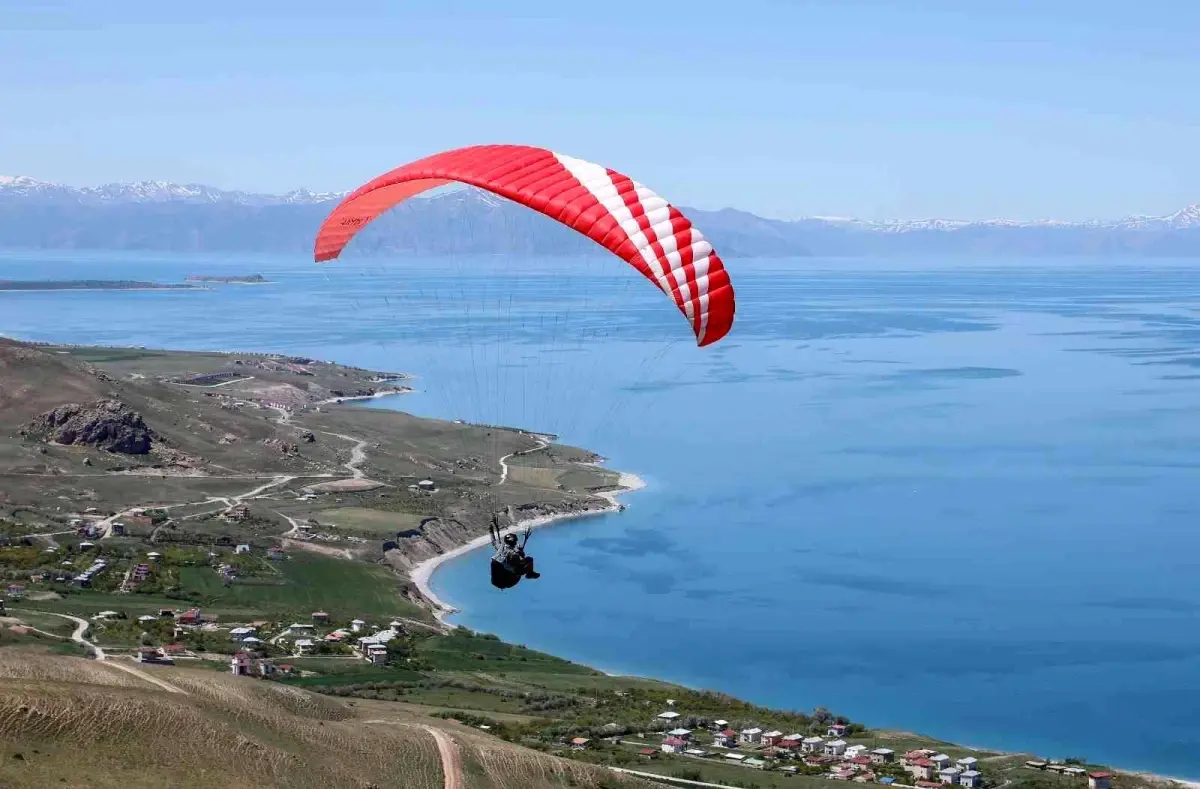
[
  {"x": 307, "y": 583},
  {"x": 368, "y": 521}
]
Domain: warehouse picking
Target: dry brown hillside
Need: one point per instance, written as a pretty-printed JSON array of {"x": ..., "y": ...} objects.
[{"x": 69, "y": 722}]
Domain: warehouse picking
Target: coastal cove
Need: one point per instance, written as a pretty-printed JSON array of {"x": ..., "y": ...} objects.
[{"x": 881, "y": 517}]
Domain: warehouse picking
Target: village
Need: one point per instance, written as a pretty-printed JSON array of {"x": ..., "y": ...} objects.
[{"x": 831, "y": 756}]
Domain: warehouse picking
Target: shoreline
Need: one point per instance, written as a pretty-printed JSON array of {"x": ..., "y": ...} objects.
[
  {"x": 376, "y": 396},
  {"x": 421, "y": 573}
]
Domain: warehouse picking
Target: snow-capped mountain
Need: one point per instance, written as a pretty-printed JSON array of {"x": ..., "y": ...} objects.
[
  {"x": 162, "y": 215},
  {"x": 23, "y": 186}
]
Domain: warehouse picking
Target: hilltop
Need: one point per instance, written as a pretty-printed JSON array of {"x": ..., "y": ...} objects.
[
  {"x": 159, "y": 215},
  {"x": 75, "y": 723}
]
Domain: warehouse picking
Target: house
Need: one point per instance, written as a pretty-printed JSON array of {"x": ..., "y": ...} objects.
[
  {"x": 376, "y": 654},
  {"x": 427, "y": 485},
  {"x": 883, "y": 756},
  {"x": 357, "y": 625},
  {"x": 238, "y": 633},
  {"x": 683, "y": 734},
  {"x": 172, "y": 650},
  {"x": 969, "y": 778},
  {"x": 726, "y": 738},
  {"x": 796, "y": 738},
  {"x": 835, "y": 747},
  {"x": 865, "y": 778},
  {"x": 239, "y": 664},
  {"x": 787, "y": 746},
  {"x": 921, "y": 769},
  {"x": 237, "y": 514},
  {"x": 1075, "y": 772},
  {"x": 668, "y": 716},
  {"x": 719, "y": 725},
  {"x": 673, "y": 745},
  {"x": 300, "y": 627},
  {"x": 276, "y": 553},
  {"x": 140, "y": 573},
  {"x": 189, "y": 617},
  {"x": 695, "y": 752},
  {"x": 837, "y": 730},
  {"x": 304, "y": 646},
  {"x": 320, "y": 616},
  {"x": 940, "y": 760},
  {"x": 118, "y": 530},
  {"x": 579, "y": 743},
  {"x": 251, "y": 641},
  {"x": 949, "y": 775},
  {"x": 813, "y": 744},
  {"x": 750, "y": 736},
  {"x": 736, "y": 757},
  {"x": 855, "y": 751},
  {"x": 772, "y": 738},
  {"x": 928, "y": 785},
  {"x": 242, "y": 548},
  {"x": 912, "y": 756},
  {"x": 647, "y": 752},
  {"x": 967, "y": 763},
  {"x": 15, "y": 591},
  {"x": 757, "y": 764},
  {"x": 1099, "y": 780},
  {"x": 153, "y": 655}
]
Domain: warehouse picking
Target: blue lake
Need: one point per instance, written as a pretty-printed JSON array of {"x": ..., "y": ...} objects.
[{"x": 957, "y": 497}]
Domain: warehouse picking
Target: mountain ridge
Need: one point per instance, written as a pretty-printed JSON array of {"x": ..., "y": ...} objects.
[{"x": 168, "y": 216}]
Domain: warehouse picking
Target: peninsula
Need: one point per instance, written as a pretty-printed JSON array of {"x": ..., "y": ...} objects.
[
  {"x": 252, "y": 279},
  {"x": 88, "y": 284},
  {"x": 167, "y": 514}
]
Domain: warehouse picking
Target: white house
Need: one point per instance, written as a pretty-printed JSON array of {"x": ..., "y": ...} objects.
[
  {"x": 243, "y": 548},
  {"x": 812, "y": 744},
  {"x": 357, "y": 625},
  {"x": 668, "y": 716},
  {"x": 940, "y": 761},
  {"x": 855, "y": 751},
  {"x": 735, "y": 757},
  {"x": 751, "y": 736},
  {"x": 719, "y": 725},
  {"x": 837, "y": 730},
  {"x": 794, "y": 738},
  {"x": 950, "y": 775},
  {"x": 726, "y": 738},
  {"x": 673, "y": 745},
  {"x": 304, "y": 646},
  {"x": 1099, "y": 780},
  {"x": 238, "y": 633},
  {"x": 835, "y": 747},
  {"x": 883, "y": 755},
  {"x": 967, "y": 763},
  {"x": 969, "y": 778},
  {"x": 683, "y": 734},
  {"x": 772, "y": 738},
  {"x": 376, "y": 654}
]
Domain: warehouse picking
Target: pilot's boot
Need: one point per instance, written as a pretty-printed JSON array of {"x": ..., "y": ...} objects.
[{"x": 529, "y": 571}]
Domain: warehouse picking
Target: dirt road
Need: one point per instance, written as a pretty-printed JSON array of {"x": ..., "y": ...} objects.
[{"x": 451, "y": 764}]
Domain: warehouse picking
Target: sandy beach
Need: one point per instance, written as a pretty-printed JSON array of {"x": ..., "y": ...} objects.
[{"x": 422, "y": 572}]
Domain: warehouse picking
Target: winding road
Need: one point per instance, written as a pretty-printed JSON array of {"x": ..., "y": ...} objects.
[{"x": 542, "y": 444}]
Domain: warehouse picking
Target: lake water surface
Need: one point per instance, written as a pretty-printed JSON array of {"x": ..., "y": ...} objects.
[{"x": 958, "y": 497}]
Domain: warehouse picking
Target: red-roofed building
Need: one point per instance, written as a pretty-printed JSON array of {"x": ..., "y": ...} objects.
[
  {"x": 861, "y": 761},
  {"x": 921, "y": 768},
  {"x": 174, "y": 649},
  {"x": 580, "y": 743},
  {"x": 673, "y": 745},
  {"x": 189, "y": 617},
  {"x": 725, "y": 739},
  {"x": 929, "y": 785},
  {"x": 647, "y": 752},
  {"x": 1099, "y": 780}
]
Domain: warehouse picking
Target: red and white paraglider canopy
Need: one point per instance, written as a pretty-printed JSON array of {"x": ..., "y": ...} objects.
[{"x": 613, "y": 210}]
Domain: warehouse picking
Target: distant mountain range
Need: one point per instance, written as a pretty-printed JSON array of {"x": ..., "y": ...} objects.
[{"x": 164, "y": 216}]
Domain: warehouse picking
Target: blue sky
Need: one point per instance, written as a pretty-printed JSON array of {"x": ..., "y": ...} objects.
[{"x": 910, "y": 108}]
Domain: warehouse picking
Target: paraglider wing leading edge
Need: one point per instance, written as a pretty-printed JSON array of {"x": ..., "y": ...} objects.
[{"x": 616, "y": 212}]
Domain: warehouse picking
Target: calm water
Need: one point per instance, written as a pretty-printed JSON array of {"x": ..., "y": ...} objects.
[{"x": 954, "y": 497}]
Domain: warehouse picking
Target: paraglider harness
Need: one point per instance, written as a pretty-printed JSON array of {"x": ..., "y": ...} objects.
[{"x": 509, "y": 563}]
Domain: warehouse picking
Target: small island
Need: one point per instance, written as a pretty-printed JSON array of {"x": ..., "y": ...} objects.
[
  {"x": 88, "y": 284},
  {"x": 253, "y": 279}
]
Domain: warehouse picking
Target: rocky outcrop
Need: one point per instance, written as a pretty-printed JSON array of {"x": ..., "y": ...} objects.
[{"x": 109, "y": 425}]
